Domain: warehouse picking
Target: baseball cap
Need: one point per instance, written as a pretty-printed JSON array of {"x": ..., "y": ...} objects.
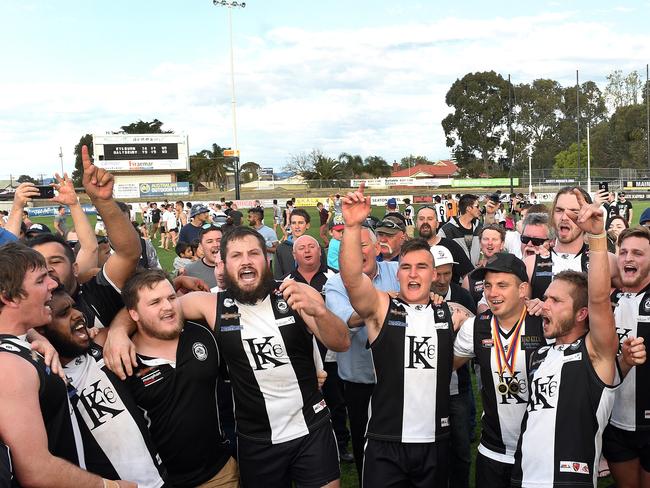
[
  {"x": 337, "y": 223},
  {"x": 645, "y": 216},
  {"x": 442, "y": 256},
  {"x": 197, "y": 209},
  {"x": 38, "y": 229},
  {"x": 391, "y": 202},
  {"x": 391, "y": 225},
  {"x": 502, "y": 262}
]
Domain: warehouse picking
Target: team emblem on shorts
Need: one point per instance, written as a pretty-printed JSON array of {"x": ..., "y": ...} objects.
[
  {"x": 282, "y": 305},
  {"x": 228, "y": 302},
  {"x": 646, "y": 305},
  {"x": 440, "y": 313},
  {"x": 10, "y": 347},
  {"x": 200, "y": 352}
]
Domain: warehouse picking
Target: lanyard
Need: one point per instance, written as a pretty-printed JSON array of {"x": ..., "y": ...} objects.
[{"x": 506, "y": 360}]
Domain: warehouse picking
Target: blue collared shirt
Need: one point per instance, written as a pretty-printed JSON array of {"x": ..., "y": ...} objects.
[
  {"x": 355, "y": 364},
  {"x": 6, "y": 236}
]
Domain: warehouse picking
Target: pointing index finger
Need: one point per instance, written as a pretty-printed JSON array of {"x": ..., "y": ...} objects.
[
  {"x": 362, "y": 187},
  {"x": 85, "y": 158}
]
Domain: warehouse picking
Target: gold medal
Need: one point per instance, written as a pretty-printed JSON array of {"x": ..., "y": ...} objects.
[
  {"x": 513, "y": 387},
  {"x": 502, "y": 388}
]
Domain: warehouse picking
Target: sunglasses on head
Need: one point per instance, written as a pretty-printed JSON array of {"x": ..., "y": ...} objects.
[
  {"x": 389, "y": 224},
  {"x": 536, "y": 241}
]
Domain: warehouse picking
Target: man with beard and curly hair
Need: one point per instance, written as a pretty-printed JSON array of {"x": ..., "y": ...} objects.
[{"x": 265, "y": 332}]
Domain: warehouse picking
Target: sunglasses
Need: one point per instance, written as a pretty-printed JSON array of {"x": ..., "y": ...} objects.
[
  {"x": 389, "y": 224},
  {"x": 536, "y": 241}
]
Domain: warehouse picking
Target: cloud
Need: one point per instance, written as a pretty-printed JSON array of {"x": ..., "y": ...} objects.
[{"x": 372, "y": 91}]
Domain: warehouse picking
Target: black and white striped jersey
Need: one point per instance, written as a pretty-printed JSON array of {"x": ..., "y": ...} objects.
[
  {"x": 632, "y": 405},
  {"x": 413, "y": 357},
  {"x": 504, "y": 393},
  {"x": 546, "y": 267},
  {"x": 269, "y": 352},
  {"x": 117, "y": 444},
  {"x": 568, "y": 409}
]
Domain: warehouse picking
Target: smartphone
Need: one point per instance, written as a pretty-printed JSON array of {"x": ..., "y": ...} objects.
[
  {"x": 45, "y": 191},
  {"x": 603, "y": 185}
]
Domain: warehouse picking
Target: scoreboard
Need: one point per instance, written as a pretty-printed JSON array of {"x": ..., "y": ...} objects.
[{"x": 141, "y": 152}]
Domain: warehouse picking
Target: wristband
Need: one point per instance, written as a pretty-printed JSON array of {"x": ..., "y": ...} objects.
[{"x": 597, "y": 236}]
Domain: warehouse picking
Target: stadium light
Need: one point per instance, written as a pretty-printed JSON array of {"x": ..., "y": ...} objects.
[{"x": 230, "y": 5}]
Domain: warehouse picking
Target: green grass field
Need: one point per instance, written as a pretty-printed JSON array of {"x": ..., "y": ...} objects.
[{"x": 348, "y": 472}]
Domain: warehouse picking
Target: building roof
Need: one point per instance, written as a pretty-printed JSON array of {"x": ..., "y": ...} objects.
[{"x": 440, "y": 169}]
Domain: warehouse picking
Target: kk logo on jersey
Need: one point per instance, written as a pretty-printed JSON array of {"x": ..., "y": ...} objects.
[
  {"x": 422, "y": 353},
  {"x": 542, "y": 393},
  {"x": 265, "y": 353},
  {"x": 97, "y": 400}
]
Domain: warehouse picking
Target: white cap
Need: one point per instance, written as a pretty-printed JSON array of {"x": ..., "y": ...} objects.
[{"x": 442, "y": 255}]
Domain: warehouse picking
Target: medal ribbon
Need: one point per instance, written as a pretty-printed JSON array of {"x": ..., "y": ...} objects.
[{"x": 508, "y": 359}]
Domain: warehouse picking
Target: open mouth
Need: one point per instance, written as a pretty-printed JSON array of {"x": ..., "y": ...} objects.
[
  {"x": 496, "y": 302},
  {"x": 629, "y": 270},
  {"x": 79, "y": 330},
  {"x": 247, "y": 275},
  {"x": 414, "y": 285},
  {"x": 529, "y": 252},
  {"x": 168, "y": 317}
]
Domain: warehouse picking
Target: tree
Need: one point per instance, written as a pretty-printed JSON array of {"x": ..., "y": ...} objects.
[
  {"x": 211, "y": 167},
  {"x": 249, "y": 172},
  {"x": 352, "y": 165},
  {"x": 140, "y": 127},
  {"x": 537, "y": 118},
  {"x": 327, "y": 169},
  {"x": 566, "y": 162},
  {"x": 622, "y": 90},
  {"x": 26, "y": 179},
  {"x": 377, "y": 167},
  {"x": 475, "y": 128},
  {"x": 303, "y": 163},
  {"x": 411, "y": 161}
]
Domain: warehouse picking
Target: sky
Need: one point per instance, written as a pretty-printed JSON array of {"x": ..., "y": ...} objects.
[{"x": 366, "y": 77}]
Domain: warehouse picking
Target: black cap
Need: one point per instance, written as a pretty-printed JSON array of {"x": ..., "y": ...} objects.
[
  {"x": 502, "y": 262},
  {"x": 38, "y": 228}
]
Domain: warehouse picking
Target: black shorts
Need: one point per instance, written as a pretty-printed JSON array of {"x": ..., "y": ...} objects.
[
  {"x": 389, "y": 463},
  {"x": 491, "y": 473},
  {"x": 310, "y": 461},
  {"x": 622, "y": 445}
]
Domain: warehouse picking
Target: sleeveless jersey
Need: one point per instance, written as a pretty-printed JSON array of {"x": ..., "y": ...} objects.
[
  {"x": 632, "y": 405},
  {"x": 116, "y": 440},
  {"x": 179, "y": 400},
  {"x": 269, "y": 352},
  {"x": 63, "y": 438},
  {"x": 413, "y": 358},
  {"x": 441, "y": 213},
  {"x": 548, "y": 266},
  {"x": 504, "y": 394},
  {"x": 476, "y": 288},
  {"x": 568, "y": 409}
]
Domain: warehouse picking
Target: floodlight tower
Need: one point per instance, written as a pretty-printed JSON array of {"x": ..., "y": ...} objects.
[{"x": 230, "y": 5}]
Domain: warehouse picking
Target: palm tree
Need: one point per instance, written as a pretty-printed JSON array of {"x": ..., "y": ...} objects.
[{"x": 210, "y": 166}]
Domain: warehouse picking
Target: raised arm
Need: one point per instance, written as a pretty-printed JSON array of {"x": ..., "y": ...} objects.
[
  {"x": 24, "y": 194},
  {"x": 602, "y": 340},
  {"x": 87, "y": 256},
  {"x": 368, "y": 302},
  {"x": 124, "y": 238}
]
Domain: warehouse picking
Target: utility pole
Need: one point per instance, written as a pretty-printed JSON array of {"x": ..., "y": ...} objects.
[
  {"x": 647, "y": 104},
  {"x": 512, "y": 144},
  {"x": 578, "y": 121}
]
